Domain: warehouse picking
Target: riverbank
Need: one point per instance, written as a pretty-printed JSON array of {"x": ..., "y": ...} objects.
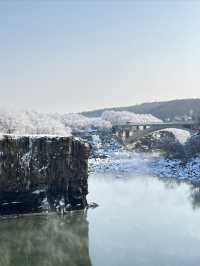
[{"x": 120, "y": 160}]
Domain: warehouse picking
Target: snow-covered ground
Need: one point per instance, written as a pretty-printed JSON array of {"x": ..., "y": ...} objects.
[
  {"x": 115, "y": 158},
  {"x": 166, "y": 168},
  {"x": 181, "y": 135},
  {"x": 120, "y": 162},
  {"x": 123, "y": 161},
  {"x": 148, "y": 164}
]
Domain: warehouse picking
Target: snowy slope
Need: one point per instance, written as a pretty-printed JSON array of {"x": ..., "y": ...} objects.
[{"x": 181, "y": 135}]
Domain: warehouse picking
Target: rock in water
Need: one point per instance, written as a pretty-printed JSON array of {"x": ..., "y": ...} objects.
[{"x": 42, "y": 169}]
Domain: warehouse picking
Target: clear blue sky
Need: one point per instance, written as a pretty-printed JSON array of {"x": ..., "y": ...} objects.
[{"x": 78, "y": 55}]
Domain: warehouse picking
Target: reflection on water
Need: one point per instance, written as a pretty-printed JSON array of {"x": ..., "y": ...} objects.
[
  {"x": 195, "y": 197},
  {"x": 141, "y": 221},
  {"x": 45, "y": 241}
]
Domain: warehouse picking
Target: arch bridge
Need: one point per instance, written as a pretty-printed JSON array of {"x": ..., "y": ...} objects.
[{"x": 131, "y": 132}]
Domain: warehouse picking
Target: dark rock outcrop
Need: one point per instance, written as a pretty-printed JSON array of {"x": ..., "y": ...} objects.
[
  {"x": 164, "y": 141},
  {"x": 42, "y": 173}
]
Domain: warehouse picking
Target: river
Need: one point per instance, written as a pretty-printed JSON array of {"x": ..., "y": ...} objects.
[{"x": 141, "y": 221}]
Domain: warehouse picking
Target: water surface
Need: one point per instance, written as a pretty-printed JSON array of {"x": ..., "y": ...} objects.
[{"x": 141, "y": 220}]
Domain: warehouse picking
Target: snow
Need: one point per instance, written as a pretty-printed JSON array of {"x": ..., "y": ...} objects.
[
  {"x": 149, "y": 165},
  {"x": 118, "y": 160},
  {"x": 97, "y": 141},
  {"x": 166, "y": 168},
  {"x": 33, "y": 123},
  {"x": 121, "y": 162},
  {"x": 38, "y": 191},
  {"x": 180, "y": 134},
  {"x": 118, "y": 118},
  {"x": 78, "y": 122},
  {"x": 31, "y": 136}
]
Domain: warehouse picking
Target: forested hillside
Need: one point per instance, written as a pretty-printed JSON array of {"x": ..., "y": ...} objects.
[{"x": 168, "y": 110}]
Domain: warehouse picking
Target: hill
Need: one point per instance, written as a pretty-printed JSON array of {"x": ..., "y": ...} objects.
[{"x": 182, "y": 109}]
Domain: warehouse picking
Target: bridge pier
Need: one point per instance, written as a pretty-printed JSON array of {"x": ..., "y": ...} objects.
[{"x": 127, "y": 133}]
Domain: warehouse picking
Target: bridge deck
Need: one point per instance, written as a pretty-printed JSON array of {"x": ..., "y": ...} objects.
[{"x": 134, "y": 131}]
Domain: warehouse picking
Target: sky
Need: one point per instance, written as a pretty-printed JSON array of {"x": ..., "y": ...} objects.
[{"x": 71, "y": 56}]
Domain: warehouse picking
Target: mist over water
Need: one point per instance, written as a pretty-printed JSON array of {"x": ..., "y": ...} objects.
[
  {"x": 45, "y": 240},
  {"x": 141, "y": 220}
]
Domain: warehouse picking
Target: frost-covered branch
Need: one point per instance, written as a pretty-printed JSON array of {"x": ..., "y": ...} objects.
[{"x": 31, "y": 122}]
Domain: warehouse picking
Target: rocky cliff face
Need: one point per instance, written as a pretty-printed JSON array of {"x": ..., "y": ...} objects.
[{"x": 39, "y": 173}]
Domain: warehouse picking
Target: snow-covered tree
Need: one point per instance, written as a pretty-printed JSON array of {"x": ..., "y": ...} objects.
[
  {"x": 118, "y": 118},
  {"x": 31, "y": 122}
]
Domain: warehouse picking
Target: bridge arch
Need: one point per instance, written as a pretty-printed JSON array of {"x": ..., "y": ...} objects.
[{"x": 130, "y": 133}]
